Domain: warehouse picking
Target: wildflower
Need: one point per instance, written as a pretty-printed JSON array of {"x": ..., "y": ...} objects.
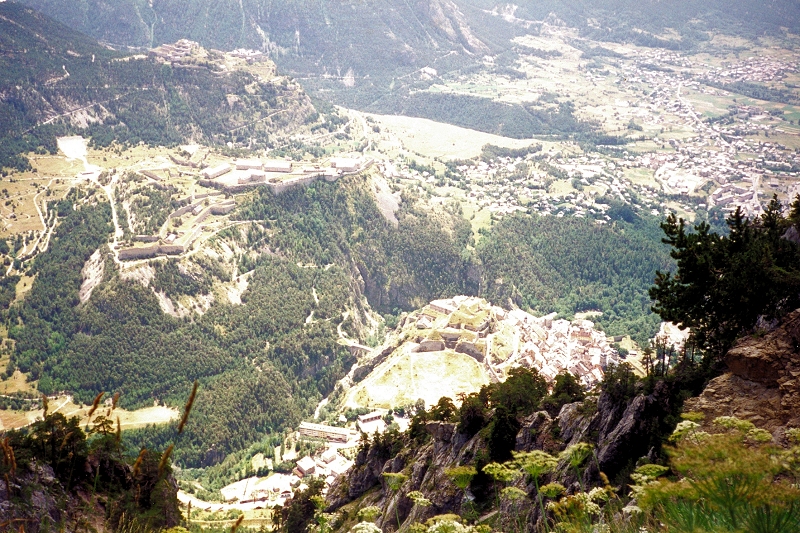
[
  {"x": 682, "y": 430},
  {"x": 535, "y": 463},
  {"x": 759, "y": 435},
  {"x": 365, "y": 527},
  {"x": 513, "y": 494},
  {"x": 731, "y": 422},
  {"x": 552, "y": 490},
  {"x": 419, "y": 499},
  {"x": 577, "y": 454},
  {"x": 500, "y": 472}
]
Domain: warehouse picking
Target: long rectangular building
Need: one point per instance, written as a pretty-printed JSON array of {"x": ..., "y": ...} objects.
[
  {"x": 323, "y": 431},
  {"x": 215, "y": 172},
  {"x": 249, "y": 164},
  {"x": 278, "y": 165}
]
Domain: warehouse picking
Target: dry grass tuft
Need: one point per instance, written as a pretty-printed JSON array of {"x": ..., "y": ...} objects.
[
  {"x": 188, "y": 408},
  {"x": 138, "y": 463},
  {"x": 238, "y": 523},
  {"x": 95, "y": 404},
  {"x": 162, "y": 465}
]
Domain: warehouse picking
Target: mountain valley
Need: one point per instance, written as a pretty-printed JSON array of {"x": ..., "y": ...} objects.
[{"x": 380, "y": 236}]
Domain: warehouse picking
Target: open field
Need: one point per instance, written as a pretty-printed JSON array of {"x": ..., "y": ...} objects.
[
  {"x": 66, "y": 406},
  {"x": 406, "y": 377},
  {"x": 24, "y": 285},
  {"x": 641, "y": 176},
  {"x": 18, "y": 213},
  {"x": 435, "y": 139},
  {"x": 17, "y": 382}
]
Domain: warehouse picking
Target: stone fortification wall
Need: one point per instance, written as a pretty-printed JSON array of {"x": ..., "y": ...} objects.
[
  {"x": 185, "y": 209},
  {"x": 151, "y": 175},
  {"x": 203, "y": 216},
  {"x": 183, "y": 162},
  {"x": 276, "y": 187},
  {"x": 206, "y": 195},
  {"x": 146, "y": 252},
  {"x": 223, "y": 208}
]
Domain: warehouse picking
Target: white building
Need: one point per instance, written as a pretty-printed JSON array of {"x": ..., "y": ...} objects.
[
  {"x": 248, "y": 164},
  {"x": 217, "y": 171},
  {"x": 346, "y": 164},
  {"x": 278, "y": 165},
  {"x": 306, "y": 465}
]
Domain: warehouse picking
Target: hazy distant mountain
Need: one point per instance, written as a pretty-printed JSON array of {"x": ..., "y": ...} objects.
[
  {"x": 322, "y": 36},
  {"x": 374, "y": 35},
  {"x": 55, "y": 81},
  {"x": 372, "y": 45}
]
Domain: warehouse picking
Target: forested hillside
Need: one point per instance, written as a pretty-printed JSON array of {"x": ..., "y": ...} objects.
[
  {"x": 309, "y": 254},
  {"x": 304, "y": 31},
  {"x": 402, "y": 267},
  {"x": 57, "y": 81},
  {"x": 380, "y": 37},
  {"x": 262, "y": 364},
  {"x": 571, "y": 264}
]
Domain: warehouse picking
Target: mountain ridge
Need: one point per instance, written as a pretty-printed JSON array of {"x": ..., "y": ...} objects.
[{"x": 57, "y": 81}]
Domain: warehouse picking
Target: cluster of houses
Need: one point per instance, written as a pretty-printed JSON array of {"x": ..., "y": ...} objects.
[
  {"x": 502, "y": 340},
  {"x": 248, "y": 55},
  {"x": 723, "y": 151},
  {"x": 555, "y": 345},
  {"x": 327, "y": 465},
  {"x": 275, "y": 489},
  {"x": 757, "y": 69},
  {"x": 170, "y": 53}
]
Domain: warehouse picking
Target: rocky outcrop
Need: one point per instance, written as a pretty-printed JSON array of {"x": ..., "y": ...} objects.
[
  {"x": 621, "y": 429},
  {"x": 730, "y": 395},
  {"x": 763, "y": 382},
  {"x": 762, "y": 387},
  {"x": 41, "y": 508},
  {"x": 426, "y": 470}
]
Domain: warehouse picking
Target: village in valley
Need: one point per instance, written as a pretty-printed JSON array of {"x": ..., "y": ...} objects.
[
  {"x": 459, "y": 332},
  {"x": 694, "y": 148}
]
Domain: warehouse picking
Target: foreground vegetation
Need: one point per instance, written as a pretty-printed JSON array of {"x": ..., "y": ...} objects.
[{"x": 58, "y": 475}]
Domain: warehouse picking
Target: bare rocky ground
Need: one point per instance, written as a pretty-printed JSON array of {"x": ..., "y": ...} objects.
[
  {"x": 92, "y": 274},
  {"x": 763, "y": 382}
]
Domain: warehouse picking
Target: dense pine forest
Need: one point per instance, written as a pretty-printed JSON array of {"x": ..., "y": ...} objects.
[{"x": 569, "y": 265}]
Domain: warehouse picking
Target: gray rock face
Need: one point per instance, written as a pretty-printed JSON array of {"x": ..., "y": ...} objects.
[
  {"x": 426, "y": 470},
  {"x": 536, "y": 433},
  {"x": 630, "y": 437}
]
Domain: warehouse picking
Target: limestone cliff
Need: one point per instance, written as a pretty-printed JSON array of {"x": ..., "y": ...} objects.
[{"x": 763, "y": 381}]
